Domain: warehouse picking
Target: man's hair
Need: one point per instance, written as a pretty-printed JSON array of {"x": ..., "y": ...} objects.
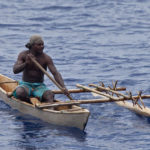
[{"x": 34, "y": 39}]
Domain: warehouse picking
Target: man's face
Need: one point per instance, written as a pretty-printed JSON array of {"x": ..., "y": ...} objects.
[{"x": 38, "y": 47}]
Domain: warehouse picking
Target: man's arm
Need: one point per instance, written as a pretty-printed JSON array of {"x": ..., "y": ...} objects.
[
  {"x": 54, "y": 71},
  {"x": 20, "y": 64}
]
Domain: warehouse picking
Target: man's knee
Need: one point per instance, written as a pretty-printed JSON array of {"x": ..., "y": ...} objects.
[
  {"x": 21, "y": 92},
  {"x": 48, "y": 96}
]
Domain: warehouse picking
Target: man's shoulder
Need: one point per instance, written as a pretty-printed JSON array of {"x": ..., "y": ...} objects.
[
  {"x": 46, "y": 56},
  {"x": 24, "y": 52}
]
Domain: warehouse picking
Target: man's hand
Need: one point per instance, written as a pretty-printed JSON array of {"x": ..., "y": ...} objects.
[
  {"x": 28, "y": 59},
  {"x": 66, "y": 92}
]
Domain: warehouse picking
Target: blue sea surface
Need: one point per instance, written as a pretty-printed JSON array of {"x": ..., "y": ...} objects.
[{"x": 90, "y": 41}]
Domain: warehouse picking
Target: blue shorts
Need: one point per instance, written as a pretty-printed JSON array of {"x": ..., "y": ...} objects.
[{"x": 34, "y": 89}]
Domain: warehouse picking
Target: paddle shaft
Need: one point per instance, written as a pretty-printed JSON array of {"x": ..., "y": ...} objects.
[{"x": 45, "y": 72}]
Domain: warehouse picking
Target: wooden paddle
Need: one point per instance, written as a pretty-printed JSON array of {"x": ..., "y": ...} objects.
[{"x": 45, "y": 72}]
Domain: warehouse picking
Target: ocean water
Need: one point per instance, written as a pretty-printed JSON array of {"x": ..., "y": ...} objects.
[{"x": 90, "y": 41}]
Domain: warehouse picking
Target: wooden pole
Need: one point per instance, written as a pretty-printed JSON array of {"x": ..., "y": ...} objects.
[
  {"x": 112, "y": 97},
  {"x": 45, "y": 72},
  {"x": 109, "y": 90},
  {"x": 77, "y": 102},
  {"x": 73, "y": 102},
  {"x": 8, "y": 82},
  {"x": 95, "y": 91},
  {"x": 82, "y": 90}
]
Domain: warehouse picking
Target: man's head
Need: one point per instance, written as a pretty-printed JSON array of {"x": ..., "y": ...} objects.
[{"x": 34, "y": 39}]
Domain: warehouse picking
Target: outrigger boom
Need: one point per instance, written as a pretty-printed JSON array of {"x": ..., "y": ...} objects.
[{"x": 102, "y": 91}]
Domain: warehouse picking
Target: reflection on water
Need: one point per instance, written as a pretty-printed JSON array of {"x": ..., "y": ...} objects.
[{"x": 36, "y": 134}]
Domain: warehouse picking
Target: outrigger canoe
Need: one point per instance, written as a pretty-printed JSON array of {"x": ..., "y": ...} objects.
[{"x": 74, "y": 116}]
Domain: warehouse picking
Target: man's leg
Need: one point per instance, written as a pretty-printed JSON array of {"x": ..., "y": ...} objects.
[
  {"x": 48, "y": 96},
  {"x": 22, "y": 93}
]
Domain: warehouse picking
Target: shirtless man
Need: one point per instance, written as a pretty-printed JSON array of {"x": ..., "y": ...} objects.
[{"x": 32, "y": 79}]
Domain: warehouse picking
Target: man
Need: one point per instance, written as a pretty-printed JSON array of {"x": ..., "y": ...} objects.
[{"x": 32, "y": 79}]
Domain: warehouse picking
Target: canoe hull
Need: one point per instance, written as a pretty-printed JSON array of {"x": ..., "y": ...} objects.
[{"x": 74, "y": 117}]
